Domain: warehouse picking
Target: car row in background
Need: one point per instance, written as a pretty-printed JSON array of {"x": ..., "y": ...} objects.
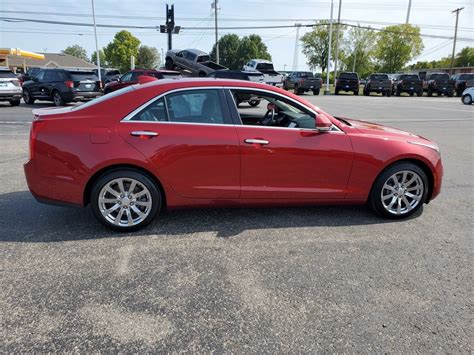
[{"x": 131, "y": 78}]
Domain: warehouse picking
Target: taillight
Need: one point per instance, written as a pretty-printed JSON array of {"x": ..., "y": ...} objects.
[
  {"x": 69, "y": 83},
  {"x": 34, "y": 134}
]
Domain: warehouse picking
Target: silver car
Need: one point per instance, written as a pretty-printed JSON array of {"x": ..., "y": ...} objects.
[{"x": 10, "y": 89}]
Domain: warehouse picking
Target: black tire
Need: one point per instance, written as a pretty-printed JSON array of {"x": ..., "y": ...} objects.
[
  {"x": 156, "y": 198},
  {"x": 412, "y": 93},
  {"x": 254, "y": 103},
  {"x": 107, "y": 92},
  {"x": 356, "y": 92},
  {"x": 316, "y": 92},
  {"x": 450, "y": 94},
  {"x": 398, "y": 93},
  {"x": 419, "y": 93},
  {"x": 336, "y": 92},
  {"x": 27, "y": 97},
  {"x": 296, "y": 90},
  {"x": 375, "y": 198},
  {"x": 430, "y": 92},
  {"x": 14, "y": 102},
  {"x": 169, "y": 64},
  {"x": 366, "y": 92},
  {"x": 467, "y": 99},
  {"x": 389, "y": 93},
  {"x": 57, "y": 98}
]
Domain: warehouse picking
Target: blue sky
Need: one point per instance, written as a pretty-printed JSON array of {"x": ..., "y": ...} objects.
[{"x": 433, "y": 16}]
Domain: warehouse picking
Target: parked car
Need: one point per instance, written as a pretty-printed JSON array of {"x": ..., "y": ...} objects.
[
  {"x": 241, "y": 75},
  {"x": 131, "y": 78},
  {"x": 10, "y": 88},
  {"x": 347, "y": 81},
  {"x": 61, "y": 86},
  {"x": 379, "y": 83},
  {"x": 107, "y": 75},
  {"x": 265, "y": 67},
  {"x": 184, "y": 143},
  {"x": 409, "y": 83},
  {"x": 303, "y": 81},
  {"x": 467, "y": 96},
  {"x": 195, "y": 61},
  {"x": 438, "y": 83},
  {"x": 462, "y": 81}
]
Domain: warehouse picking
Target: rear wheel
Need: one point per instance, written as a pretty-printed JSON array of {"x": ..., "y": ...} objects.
[
  {"x": 366, "y": 92},
  {"x": 450, "y": 94},
  {"x": 412, "y": 93},
  {"x": 27, "y": 97},
  {"x": 316, "y": 92},
  {"x": 399, "y": 191},
  {"x": 125, "y": 200},
  {"x": 420, "y": 93},
  {"x": 430, "y": 92},
  {"x": 467, "y": 99},
  {"x": 58, "y": 99},
  {"x": 14, "y": 102},
  {"x": 356, "y": 92},
  {"x": 389, "y": 93},
  {"x": 296, "y": 90}
]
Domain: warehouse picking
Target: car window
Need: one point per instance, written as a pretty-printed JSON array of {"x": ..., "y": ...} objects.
[
  {"x": 40, "y": 75},
  {"x": 135, "y": 75},
  {"x": 62, "y": 76},
  {"x": 48, "y": 75},
  {"x": 287, "y": 113},
  {"x": 126, "y": 77},
  {"x": 306, "y": 74},
  {"x": 379, "y": 76},
  {"x": 190, "y": 56},
  {"x": 195, "y": 106},
  {"x": 348, "y": 76},
  {"x": 409, "y": 77},
  {"x": 466, "y": 76},
  {"x": 154, "y": 112},
  {"x": 439, "y": 76},
  {"x": 83, "y": 75}
]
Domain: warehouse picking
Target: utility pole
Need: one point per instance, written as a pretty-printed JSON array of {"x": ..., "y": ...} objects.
[
  {"x": 214, "y": 5},
  {"x": 408, "y": 12},
  {"x": 457, "y": 11},
  {"x": 295, "y": 54},
  {"x": 170, "y": 27},
  {"x": 337, "y": 40},
  {"x": 327, "y": 91},
  {"x": 99, "y": 74}
]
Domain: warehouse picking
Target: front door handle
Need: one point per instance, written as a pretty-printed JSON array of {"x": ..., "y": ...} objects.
[
  {"x": 256, "y": 141},
  {"x": 144, "y": 134}
]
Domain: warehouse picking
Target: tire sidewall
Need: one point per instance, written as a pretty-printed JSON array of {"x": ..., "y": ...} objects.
[
  {"x": 375, "y": 200},
  {"x": 469, "y": 99},
  {"x": 125, "y": 173}
]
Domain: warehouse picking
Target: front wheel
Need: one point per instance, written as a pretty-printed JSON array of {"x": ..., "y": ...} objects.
[
  {"x": 125, "y": 200},
  {"x": 467, "y": 99},
  {"x": 27, "y": 97},
  {"x": 399, "y": 191},
  {"x": 14, "y": 102}
]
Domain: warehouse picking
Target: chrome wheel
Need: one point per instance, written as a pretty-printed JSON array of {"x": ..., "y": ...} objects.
[
  {"x": 125, "y": 202},
  {"x": 402, "y": 192}
]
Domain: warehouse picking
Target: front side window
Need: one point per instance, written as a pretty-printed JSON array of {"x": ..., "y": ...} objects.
[
  {"x": 126, "y": 77},
  {"x": 40, "y": 75},
  {"x": 195, "y": 106}
]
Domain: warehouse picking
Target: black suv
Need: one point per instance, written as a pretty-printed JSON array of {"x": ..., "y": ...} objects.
[
  {"x": 303, "y": 81},
  {"x": 347, "y": 81},
  {"x": 409, "y": 83},
  {"x": 61, "y": 86},
  {"x": 462, "y": 81},
  {"x": 241, "y": 75}
]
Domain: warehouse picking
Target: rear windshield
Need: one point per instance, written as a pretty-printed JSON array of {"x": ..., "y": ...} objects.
[
  {"x": 439, "y": 77},
  {"x": 171, "y": 75},
  {"x": 85, "y": 75},
  {"x": 306, "y": 74},
  {"x": 466, "y": 76},
  {"x": 409, "y": 77},
  {"x": 379, "y": 76},
  {"x": 348, "y": 76},
  {"x": 203, "y": 58},
  {"x": 264, "y": 66},
  {"x": 7, "y": 74}
]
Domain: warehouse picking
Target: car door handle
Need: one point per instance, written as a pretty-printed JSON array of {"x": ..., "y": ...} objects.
[
  {"x": 256, "y": 141},
  {"x": 147, "y": 134}
]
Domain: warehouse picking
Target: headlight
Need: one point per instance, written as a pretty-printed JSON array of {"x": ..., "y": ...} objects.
[{"x": 432, "y": 146}]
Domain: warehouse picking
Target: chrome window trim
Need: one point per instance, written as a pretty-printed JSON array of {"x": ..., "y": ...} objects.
[{"x": 128, "y": 118}]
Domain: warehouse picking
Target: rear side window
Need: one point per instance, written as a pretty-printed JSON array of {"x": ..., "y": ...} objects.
[
  {"x": 80, "y": 76},
  {"x": 154, "y": 112},
  {"x": 195, "y": 106}
]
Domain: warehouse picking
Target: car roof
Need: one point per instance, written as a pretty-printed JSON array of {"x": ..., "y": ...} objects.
[{"x": 195, "y": 51}]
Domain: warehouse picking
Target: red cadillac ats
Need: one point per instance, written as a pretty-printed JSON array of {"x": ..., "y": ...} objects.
[{"x": 185, "y": 143}]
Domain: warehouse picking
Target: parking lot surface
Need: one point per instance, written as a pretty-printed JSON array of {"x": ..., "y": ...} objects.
[{"x": 246, "y": 280}]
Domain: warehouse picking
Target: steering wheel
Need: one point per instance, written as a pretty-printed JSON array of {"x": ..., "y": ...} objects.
[{"x": 269, "y": 118}]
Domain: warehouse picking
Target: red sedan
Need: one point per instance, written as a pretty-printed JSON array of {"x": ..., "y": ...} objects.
[{"x": 185, "y": 143}]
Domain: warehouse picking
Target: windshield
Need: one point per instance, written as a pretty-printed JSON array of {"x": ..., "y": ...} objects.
[
  {"x": 264, "y": 66},
  {"x": 348, "y": 76},
  {"x": 439, "y": 77},
  {"x": 86, "y": 75},
  {"x": 409, "y": 77}
]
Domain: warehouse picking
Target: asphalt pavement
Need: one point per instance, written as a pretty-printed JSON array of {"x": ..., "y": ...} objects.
[{"x": 335, "y": 279}]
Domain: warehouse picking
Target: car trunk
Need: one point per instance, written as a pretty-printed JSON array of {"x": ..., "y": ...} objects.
[
  {"x": 85, "y": 81},
  {"x": 9, "y": 83}
]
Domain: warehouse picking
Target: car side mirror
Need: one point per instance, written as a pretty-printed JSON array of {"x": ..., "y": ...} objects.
[{"x": 323, "y": 124}]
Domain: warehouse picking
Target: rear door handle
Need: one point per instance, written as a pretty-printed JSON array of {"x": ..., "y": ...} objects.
[
  {"x": 148, "y": 134},
  {"x": 256, "y": 141}
]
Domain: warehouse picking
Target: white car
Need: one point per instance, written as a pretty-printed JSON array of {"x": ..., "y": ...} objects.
[
  {"x": 10, "y": 89},
  {"x": 265, "y": 67},
  {"x": 467, "y": 96}
]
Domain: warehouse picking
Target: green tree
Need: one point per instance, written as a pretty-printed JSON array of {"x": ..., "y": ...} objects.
[
  {"x": 103, "y": 58},
  {"x": 360, "y": 50},
  {"x": 316, "y": 44},
  {"x": 148, "y": 57},
  {"x": 465, "y": 57},
  {"x": 228, "y": 48},
  {"x": 76, "y": 51},
  {"x": 396, "y": 46},
  {"x": 121, "y": 49},
  {"x": 251, "y": 47}
]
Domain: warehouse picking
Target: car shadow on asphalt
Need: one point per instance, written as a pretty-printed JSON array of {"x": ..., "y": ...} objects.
[{"x": 25, "y": 220}]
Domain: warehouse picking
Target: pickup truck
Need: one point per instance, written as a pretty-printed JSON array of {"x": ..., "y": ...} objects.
[
  {"x": 347, "y": 81},
  {"x": 409, "y": 83},
  {"x": 438, "y": 83},
  {"x": 462, "y": 81},
  {"x": 194, "y": 61},
  {"x": 379, "y": 83},
  {"x": 266, "y": 68},
  {"x": 303, "y": 81}
]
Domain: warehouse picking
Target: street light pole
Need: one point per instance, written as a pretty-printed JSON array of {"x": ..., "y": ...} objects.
[
  {"x": 327, "y": 91},
  {"x": 96, "y": 46},
  {"x": 216, "y": 30},
  {"x": 457, "y": 11},
  {"x": 337, "y": 40},
  {"x": 408, "y": 12}
]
